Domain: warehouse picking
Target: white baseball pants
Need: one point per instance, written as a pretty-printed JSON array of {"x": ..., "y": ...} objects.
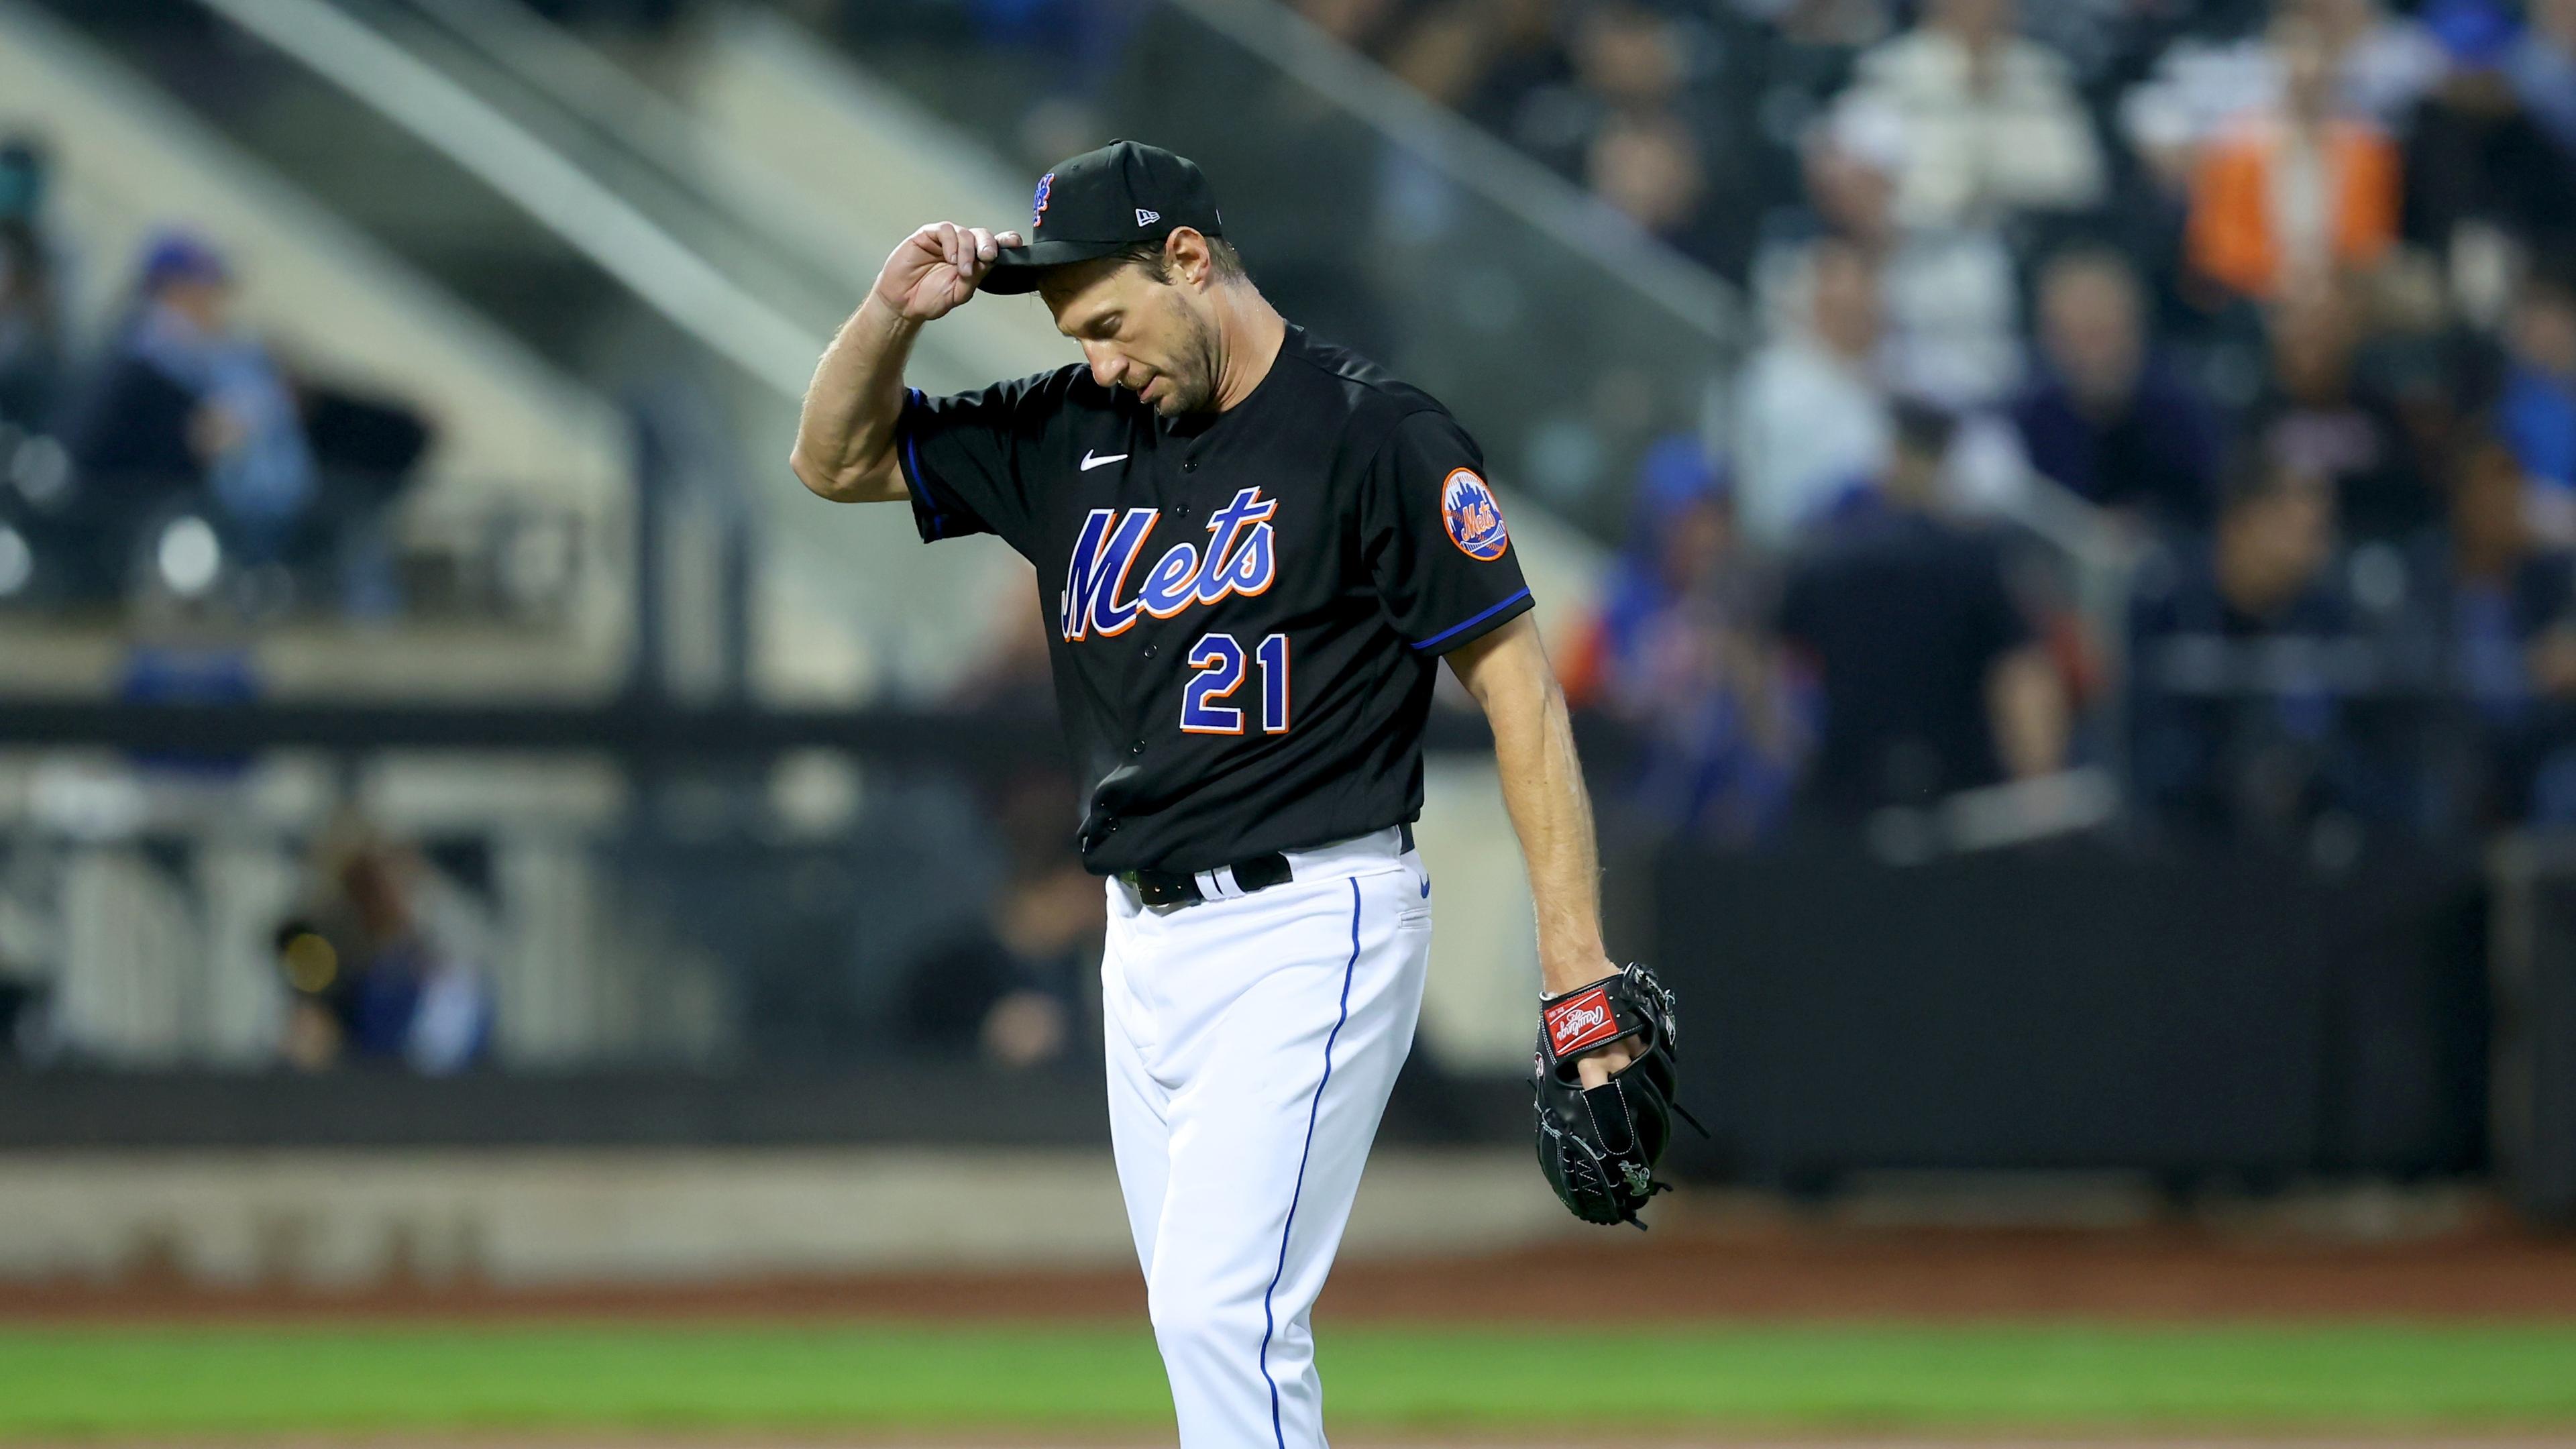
[{"x": 1252, "y": 1041}]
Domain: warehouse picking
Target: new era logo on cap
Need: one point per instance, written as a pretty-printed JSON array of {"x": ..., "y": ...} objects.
[{"x": 1147, "y": 218}]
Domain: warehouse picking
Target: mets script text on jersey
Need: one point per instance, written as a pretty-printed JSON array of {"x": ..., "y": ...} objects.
[{"x": 1240, "y": 559}]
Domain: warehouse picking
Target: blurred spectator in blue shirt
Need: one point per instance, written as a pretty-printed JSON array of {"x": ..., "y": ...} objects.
[
  {"x": 2107, "y": 416},
  {"x": 245, "y": 427},
  {"x": 2237, "y": 720},
  {"x": 2502, "y": 613},
  {"x": 2539, "y": 403},
  {"x": 173, "y": 402},
  {"x": 1677, "y": 655},
  {"x": 369, "y": 977},
  {"x": 2542, "y": 68},
  {"x": 188, "y": 411}
]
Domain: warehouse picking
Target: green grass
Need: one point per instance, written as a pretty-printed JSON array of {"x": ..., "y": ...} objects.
[{"x": 248, "y": 1381}]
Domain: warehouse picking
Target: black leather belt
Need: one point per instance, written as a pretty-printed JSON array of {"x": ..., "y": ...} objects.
[
  {"x": 1252, "y": 873},
  {"x": 1178, "y": 887}
]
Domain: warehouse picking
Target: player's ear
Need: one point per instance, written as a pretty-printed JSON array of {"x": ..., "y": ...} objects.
[{"x": 1186, "y": 258}]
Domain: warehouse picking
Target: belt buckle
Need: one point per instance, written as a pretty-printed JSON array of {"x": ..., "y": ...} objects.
[{"x": 1155, "y": 893}]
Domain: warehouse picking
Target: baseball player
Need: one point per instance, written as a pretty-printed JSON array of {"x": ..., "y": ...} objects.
[{"x": 1255, "y": 551}]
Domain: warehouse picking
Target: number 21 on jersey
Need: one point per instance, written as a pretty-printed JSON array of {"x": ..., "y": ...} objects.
[{"x": 1221, "y": 665}]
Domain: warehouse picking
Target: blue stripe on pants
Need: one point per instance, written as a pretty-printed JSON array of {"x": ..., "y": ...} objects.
[{"x": 1313, "y": 1108}]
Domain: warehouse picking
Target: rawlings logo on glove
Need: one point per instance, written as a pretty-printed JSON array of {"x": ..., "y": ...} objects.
[{"x": 1581, "y": 1020}]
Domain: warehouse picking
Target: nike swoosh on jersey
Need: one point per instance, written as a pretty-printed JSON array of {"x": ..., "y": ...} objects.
[{"x": 1089, "y": 462}]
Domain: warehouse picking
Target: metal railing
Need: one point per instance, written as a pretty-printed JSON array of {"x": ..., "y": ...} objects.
[{"x": 568, "y": 199}]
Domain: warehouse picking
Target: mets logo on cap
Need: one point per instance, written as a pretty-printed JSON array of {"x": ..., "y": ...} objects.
[
  {"x": 1475, "y": 520},
  {"x": 1038, "y": 205}
]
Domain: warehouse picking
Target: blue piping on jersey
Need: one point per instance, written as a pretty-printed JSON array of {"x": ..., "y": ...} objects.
[
  {"x": 1277, "y": 1434},
  {"x": 1472, "y": 623},
  {"x": 912, "y": 468}
]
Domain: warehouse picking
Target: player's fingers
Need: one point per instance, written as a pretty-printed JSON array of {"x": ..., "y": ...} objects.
[
  {"x": 1598, "y": 1067},
  {"x": 1008, "y": 238},
  {"x": 986, "y": 246},
  {"x": 949, "y": 249},
  {"x": 919, "y": 251}
]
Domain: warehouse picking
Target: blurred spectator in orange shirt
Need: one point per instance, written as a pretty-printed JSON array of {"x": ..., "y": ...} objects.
[{"x": 2293, "y": 196}]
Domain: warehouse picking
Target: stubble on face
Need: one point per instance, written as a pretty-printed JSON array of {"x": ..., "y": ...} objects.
[{"x": 1189, "y": 383}]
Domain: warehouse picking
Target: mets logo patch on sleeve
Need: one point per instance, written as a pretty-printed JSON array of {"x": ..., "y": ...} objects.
[
  {"x": 1474, "y": 519},
  {"x": 1581, "y": 1020}
]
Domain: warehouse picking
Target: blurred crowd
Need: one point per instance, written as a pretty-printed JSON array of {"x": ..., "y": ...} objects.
[
  {"x": 168, "y": 449},
  {"x": 2285, "y": 293}
]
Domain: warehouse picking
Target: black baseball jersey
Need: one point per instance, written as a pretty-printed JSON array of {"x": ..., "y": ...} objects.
[{"x": 1244, "y": 609}]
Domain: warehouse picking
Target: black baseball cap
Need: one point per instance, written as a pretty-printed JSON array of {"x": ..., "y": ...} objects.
[{"x": 1101, "y": 203}]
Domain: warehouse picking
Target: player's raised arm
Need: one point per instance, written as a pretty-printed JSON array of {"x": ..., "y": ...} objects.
[{"x": 846, "y": 435}]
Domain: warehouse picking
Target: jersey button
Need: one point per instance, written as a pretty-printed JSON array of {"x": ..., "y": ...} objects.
[
  {"x": 1137, "y": 748},
  {"x": 1152, "y": 649},
  {"x": 1189, "y": 467}
]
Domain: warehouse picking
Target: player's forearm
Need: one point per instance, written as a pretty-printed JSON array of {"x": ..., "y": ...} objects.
[
  {"x": 845, "y": 436},
  {"x": 1543, "y": 790}
]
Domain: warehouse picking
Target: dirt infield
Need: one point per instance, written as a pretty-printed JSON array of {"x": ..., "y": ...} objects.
[{"x": 1731, "y": 1265}]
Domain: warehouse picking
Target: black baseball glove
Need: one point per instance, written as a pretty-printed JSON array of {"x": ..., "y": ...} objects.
[{"x": 1599, "y": 1147}]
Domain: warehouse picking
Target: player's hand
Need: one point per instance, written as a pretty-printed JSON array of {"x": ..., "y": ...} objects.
[
  {"x": 937, "y": 268},
  {"x": 1596, "y": 1067}
]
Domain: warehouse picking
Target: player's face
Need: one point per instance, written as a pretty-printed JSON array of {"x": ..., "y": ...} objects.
[{"x": 1139, "y": 332}]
